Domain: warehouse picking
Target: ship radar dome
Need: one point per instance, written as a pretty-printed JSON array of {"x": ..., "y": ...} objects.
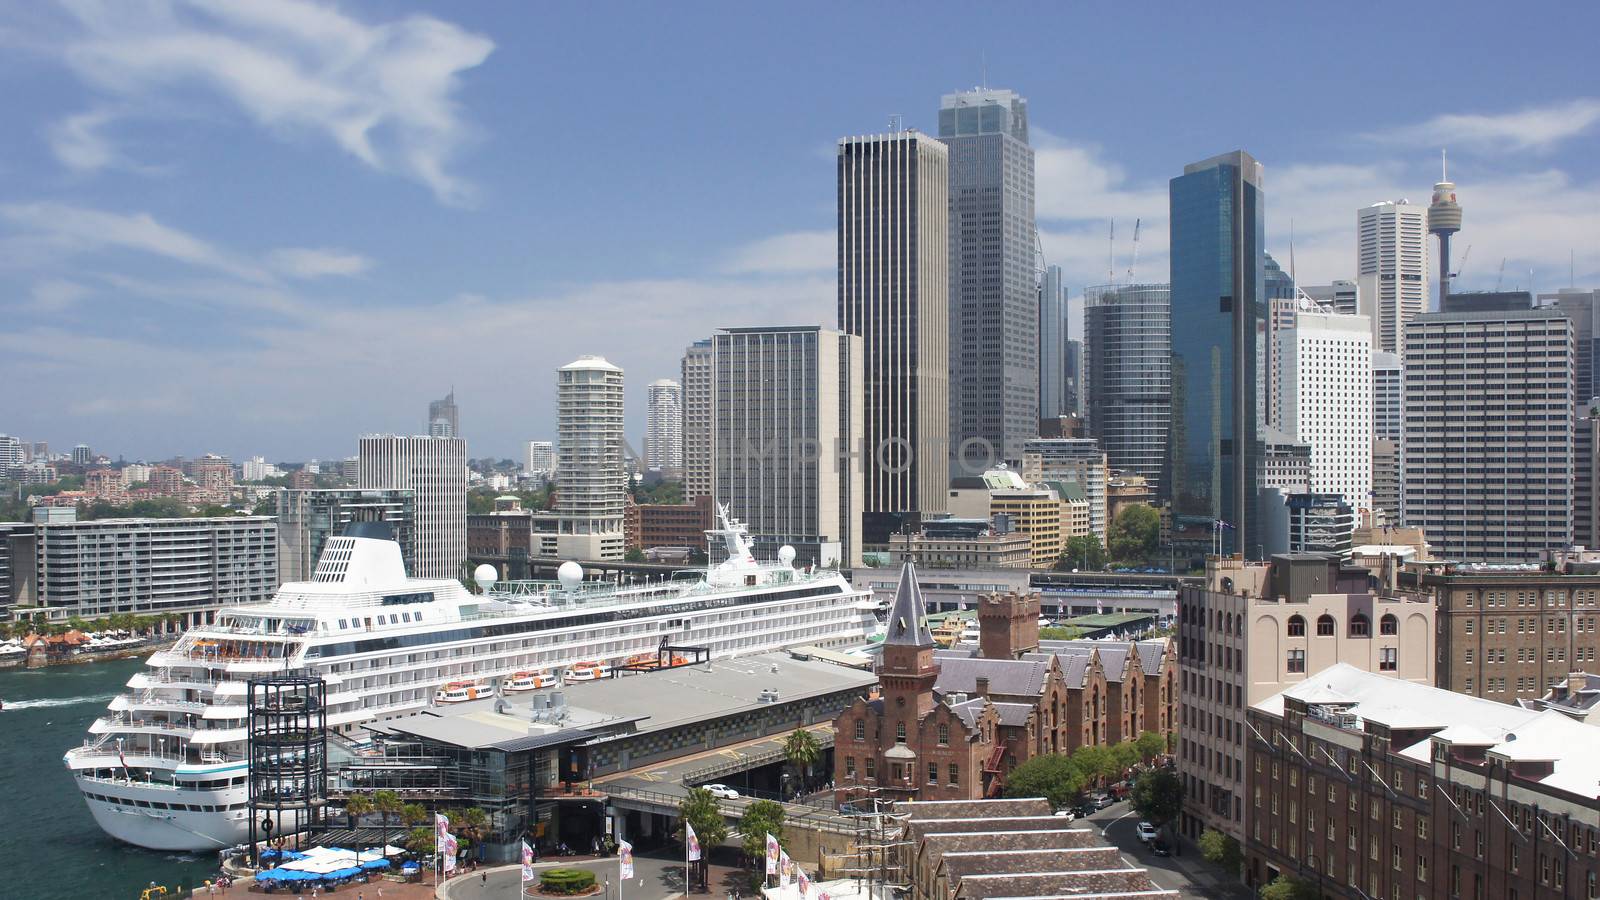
[
  {"x": 786, "y": 554},
  {"x": 485, "y": 575},
  {"x": 570, "y": 575}
]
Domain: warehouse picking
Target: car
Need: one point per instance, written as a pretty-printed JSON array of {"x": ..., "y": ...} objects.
[
  {"x": 1147, "y": 832},
  {"x": 1101, "y": 801},
  {"x": 721, "y": 791},
  {"x": 1160, "y": 848},
  {"x": 1067, "y": 814}
]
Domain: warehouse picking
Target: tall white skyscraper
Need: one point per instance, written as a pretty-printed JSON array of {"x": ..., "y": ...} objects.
[
  {"x": 1053, "y": 399},
  {"x": 894, "y": 292},
  {"x": 697, "y": 420},
  {"x": 541, "y": 457},
  {"x": 663, "y": 438},
  {"x": 434, "y": 470},
  {"x": 593, "y": 490},
  {"x": 1392, "y": 269},
  {"x": 787, "y": 418},
  {"x": 1325, "y": 391}
]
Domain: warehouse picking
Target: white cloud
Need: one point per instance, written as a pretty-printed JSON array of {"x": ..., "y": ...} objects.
[
  {"x": 1531, "y": 128},
  {"x": 384, "y": 93},
  {"x": 797, "y": 251},
  {"x": 55, "y": 295},
  {"x": 76, "y": 228},
  {"x": 303, "y": 262},
  {"x": 78, "y": 143},
  {"x": 1079, "y": 194}
]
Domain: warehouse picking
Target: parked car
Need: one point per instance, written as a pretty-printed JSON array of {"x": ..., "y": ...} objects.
[
  {"x": 1160, "y": 848},
  {"x": 1101, "y": 801},
  {"x": 1067, "y": 814},
  {"x": 721, "y": 791},
  {"x": 1147, "y": 832}
]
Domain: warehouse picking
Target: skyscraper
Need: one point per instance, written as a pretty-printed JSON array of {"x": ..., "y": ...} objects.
[
  {"x": 1388, "y": 435},
  {"x": 308, "y": 517},
  {"x": 541, "y": 457},
  {"x": 1391, "y": 269},
  {"x": 663, "y": 440},
  {"x": 1218, "y": 324},
  {"x": 593, "y": 491},
  {"x": 1325, "y": 386},
  {"x": 995, "y": 325},
  {"x": 894, "y": 288},
  {"x": 787, "y": 419},
  {"x": 1053, "y": 399},
  {"x": 696, "y": 374},
  {"x": 1127, "y": 375},
  {"x": 434, "y": 470},
  {"x": 1340, "y": 296},
  {"x": 1488, "y": 449},
  {"x": 444, "y": 419},
  {"x": 1583, "y": 308}
]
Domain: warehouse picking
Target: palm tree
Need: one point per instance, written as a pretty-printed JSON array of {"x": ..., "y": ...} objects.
[
  {"x": 475, "y": 822},
  {"x": 386, "y": 803},
  {"x": 413, "y": 814},
  {"x": 802, "y": 751},
  {"x": 355, "y": 807}
]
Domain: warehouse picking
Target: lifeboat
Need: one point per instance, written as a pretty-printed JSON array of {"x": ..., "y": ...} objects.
[
  {"x": 529, "y": 681},
  {"x": 459, "y": 692},
  {"x": 586, "y": 671}
]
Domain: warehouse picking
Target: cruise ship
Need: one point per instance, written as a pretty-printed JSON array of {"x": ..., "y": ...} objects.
[{"x": 166, "y": 767}]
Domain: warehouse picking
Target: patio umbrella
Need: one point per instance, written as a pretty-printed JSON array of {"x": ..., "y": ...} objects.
[
  {"x": 347, "y": 873},
  {"x": 375, "y": 864}
]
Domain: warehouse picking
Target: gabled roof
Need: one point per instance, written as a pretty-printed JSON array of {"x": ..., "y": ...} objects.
[
  {"x": 1020, "y": 677},
  {"x": 1014, "y": 715},
  {"x": 906, "y": 626},
  {"x": 1151, "y": 654}
]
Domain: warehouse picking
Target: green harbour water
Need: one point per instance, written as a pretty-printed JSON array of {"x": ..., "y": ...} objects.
[{"x": 50, "y": 846}]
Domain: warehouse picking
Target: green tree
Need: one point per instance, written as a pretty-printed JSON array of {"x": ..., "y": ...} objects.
[
  {"x": 386, "y": 803},
  {"x": 699, "y": 810},
  {"x": 1054, "y": 776},
  {"x": 1288, "y": 887},
  {"x": 1158, "y": 796},
  {"x": 761, "y": 818},
  {"x": 419, "y": 840},
  {"x": 1083, "y": 552},
  {"x": 1095, "y": 763},
  {"x": 357, "y": 806},
  {"x": 413, "y": 814},
  {"x": 1125, "y": 755},
  {"x": 1221, "y": 850},
  {"x": 1135, "y": 533},
  {"x": 802, "y": 751},
  {"x": 633, "y": 555},
  {"x": 1151, "y": 745}
]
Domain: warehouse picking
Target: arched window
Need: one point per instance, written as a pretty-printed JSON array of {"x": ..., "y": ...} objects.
[
  {"x": 1360, "y": 625},
  {"x": 1324, "y": 625},
  {"x": 1388, "y": 624},
  {"x": 1297, "y": 625}
]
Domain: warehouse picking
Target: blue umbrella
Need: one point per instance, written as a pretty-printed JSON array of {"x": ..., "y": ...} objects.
[
  {"x": 375, "y": 864},
  {"x": 346, "y": 873}
]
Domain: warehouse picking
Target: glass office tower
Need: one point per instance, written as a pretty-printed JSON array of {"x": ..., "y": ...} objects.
[{"x": 1218, "y": 323}]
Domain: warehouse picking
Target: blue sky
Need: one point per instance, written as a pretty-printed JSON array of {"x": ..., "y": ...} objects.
[{"x": 268, "y": 227}]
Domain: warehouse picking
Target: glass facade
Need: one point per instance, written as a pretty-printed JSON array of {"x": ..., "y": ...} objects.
[
  {"x": 1128, "y": 373},
  {"x": 1218, "y": 324}
]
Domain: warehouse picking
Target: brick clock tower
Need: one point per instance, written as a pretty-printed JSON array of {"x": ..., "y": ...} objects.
[{"x": 907, "y": 671}]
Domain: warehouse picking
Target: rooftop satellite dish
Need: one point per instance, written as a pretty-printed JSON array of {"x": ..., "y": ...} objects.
[{"x": 485, "y": 575}]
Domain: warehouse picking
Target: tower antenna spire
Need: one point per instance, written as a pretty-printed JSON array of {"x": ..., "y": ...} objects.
[
  {"x": 1444, "y": 166},
  {"x": 983, "y": 67}
]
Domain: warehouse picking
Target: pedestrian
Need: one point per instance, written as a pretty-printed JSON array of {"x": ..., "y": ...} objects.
[{"x": 484, "y": 879}]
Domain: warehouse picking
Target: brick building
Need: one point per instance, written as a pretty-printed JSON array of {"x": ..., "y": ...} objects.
[
  {"x": 950, "y": 724},
  {"x": 675, "y": 524},
  {"x": 1511, "y": 633},
  {"x": 1371, "y": 787}
]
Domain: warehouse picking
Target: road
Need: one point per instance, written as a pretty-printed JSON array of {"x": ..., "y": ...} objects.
[{"x": 1188, "y": 874}]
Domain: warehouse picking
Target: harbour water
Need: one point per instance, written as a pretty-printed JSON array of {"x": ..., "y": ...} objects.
[{"x": 50, "y": 846}]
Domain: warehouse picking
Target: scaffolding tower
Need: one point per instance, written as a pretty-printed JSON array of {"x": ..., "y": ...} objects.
[{"x": 288, "y": 752}]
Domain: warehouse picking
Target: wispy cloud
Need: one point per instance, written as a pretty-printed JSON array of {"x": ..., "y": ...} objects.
[
  {"x": 1530, "y": 128},
  {"x": 797, "y": 251},
  {"x": 1079, "y": 193},
  {"x": 81, "y": 228},
  {"x": 303, "y": 262},
  {"x": 384, "y": 93}
]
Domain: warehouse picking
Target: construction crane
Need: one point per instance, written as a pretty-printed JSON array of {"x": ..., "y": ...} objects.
[
  {"x": 1134, "y": 265},
  {"x": 1502, "y": 276},
  {"x": 1462, "y": 265}
]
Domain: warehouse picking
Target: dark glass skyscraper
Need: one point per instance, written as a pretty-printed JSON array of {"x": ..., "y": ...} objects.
[{"x": 1218, "y": 322}]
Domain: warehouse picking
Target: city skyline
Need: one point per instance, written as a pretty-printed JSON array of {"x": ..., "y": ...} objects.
[{"x": 122, "y": 247}]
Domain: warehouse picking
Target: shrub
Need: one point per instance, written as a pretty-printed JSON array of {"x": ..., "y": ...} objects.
[{"x": 565, "y": 881}]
